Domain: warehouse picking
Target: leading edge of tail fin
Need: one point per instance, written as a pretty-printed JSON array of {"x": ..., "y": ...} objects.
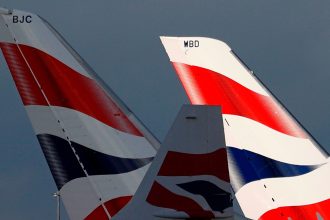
[
  {"x": 88, "y": 136},
  {"x": 269, "y": 152},
  {"x": 189, "y": 177}
]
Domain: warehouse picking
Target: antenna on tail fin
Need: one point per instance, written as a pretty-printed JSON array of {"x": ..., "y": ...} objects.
[{"x": 5, "y": 11}]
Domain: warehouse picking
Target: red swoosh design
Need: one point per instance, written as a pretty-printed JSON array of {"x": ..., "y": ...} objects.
[
  {"x": 113, "y": 206},
  {"x": 300, "y": 212},
  {"x": 62, "y": 86},
  {"x": 204, "y": 86},
  {"x": 161, "y": 197},
  {"x": 183, "y": 164}
]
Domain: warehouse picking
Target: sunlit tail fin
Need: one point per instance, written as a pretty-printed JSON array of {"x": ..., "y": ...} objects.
[
  {"x": 276, "y": 168},
  {"x": 189, "y": 178},
  {"x": 95, "y": 148}
]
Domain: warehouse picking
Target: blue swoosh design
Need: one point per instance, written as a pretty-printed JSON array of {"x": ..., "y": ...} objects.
[
  {"x": 248, "y": 166},
  {"x": 65, "y": 166},
  {"x": 217, "y": 198}
]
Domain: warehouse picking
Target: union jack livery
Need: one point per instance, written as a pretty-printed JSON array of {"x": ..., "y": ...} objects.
[
  {"x": 96, "y": 149},
  {"x": 247, "y": 158},
  {"x": 194, "y": 177},
  {"x": 277, "y": 170},
  {"x": 189, "y": 177}
]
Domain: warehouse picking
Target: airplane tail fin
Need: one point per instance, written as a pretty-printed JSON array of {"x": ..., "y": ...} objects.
[
  {"x": 269, "y": 152},
  {"x": 189, "y": 177},
  {"x": 96, "y": 150}
]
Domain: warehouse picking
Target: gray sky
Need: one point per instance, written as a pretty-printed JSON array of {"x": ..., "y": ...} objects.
[{"x": 286, "y": 43}]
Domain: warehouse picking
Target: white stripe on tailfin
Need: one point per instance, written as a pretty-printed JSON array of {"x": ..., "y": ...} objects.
[
  {"x": 88, "y": 136},
  {"x": 269, "y": 152}
]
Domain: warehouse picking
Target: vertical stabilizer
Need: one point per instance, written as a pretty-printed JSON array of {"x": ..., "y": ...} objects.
[
  {"x": 95, "y": 149},
  {"x": 189, "y": 178},
  {"x": 276, "y": 168}
]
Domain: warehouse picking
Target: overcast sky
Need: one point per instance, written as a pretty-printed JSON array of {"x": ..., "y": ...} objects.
[{"x": 286, "y": 43}]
